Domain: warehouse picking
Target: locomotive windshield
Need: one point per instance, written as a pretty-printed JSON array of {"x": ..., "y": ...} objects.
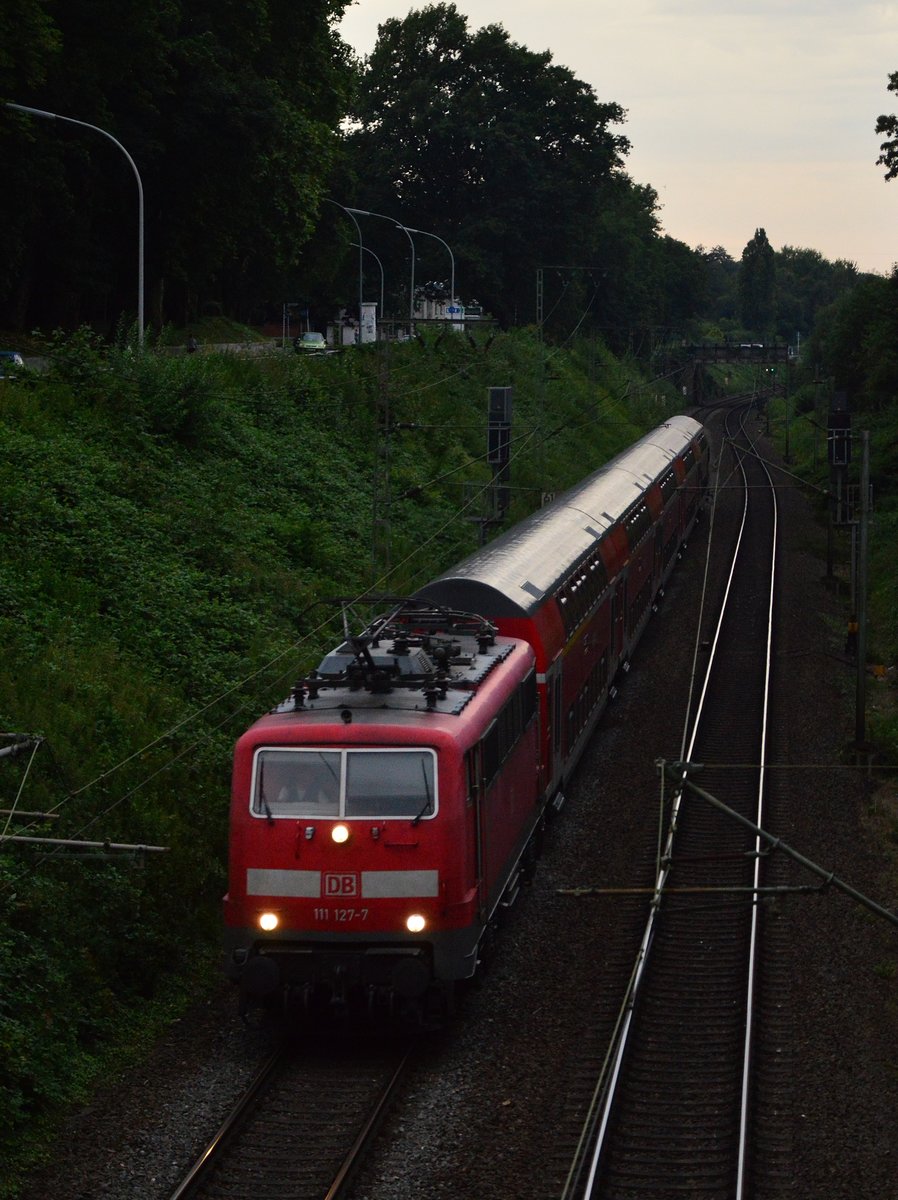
[
  {"x": 297, "y": 783},
  {"x": 383, "y": 783},
  {"x": 344, "y": 783}
]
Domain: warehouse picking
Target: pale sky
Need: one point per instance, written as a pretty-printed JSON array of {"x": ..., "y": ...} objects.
[{"x": 741, "y": 113}]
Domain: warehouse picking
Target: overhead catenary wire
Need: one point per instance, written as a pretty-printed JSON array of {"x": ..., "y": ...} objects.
[
  {"x": 312, "y": 634},
  {"x": 306, "y": 638},
  {"x": 525, "y": 439},
  {"x": 196, "y": 714}
]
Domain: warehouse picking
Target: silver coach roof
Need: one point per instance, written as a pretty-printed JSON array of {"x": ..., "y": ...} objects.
[{"x": 513, "y": 573}]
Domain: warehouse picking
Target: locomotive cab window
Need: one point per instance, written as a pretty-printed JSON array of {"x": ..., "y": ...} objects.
[
  {"x": 297, "y": 783},
  {"x": 344, "y": 783},
  {"x": 388, "y": 783}
]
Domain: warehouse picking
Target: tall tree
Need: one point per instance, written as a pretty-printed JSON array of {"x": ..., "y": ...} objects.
[
  {"x": 493, "y": 147},
  {"x": 757, "y": 285},
  {"x": 230, "y": 110},
  {"x": 721, "y": 281},
  {"x": 682, "y": 282},
  {"x": 29, "y": 41}
]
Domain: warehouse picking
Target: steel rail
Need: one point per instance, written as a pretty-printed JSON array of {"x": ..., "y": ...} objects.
[
  {"x": 366, "y": 1134},
  {"x": 603, "y": 1101},
  {"x": 197, "y": 1179},
  {"x": 756, "y": 874},
  {"x": 208, "y": 1156}
]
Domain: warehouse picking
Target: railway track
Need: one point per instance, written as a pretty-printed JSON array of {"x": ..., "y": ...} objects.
[
  {"x": 673, "y": 1113},
  {"x": 303, "y": 1126}
]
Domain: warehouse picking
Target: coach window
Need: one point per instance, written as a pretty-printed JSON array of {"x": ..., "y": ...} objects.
[
  {"x": 297, "y": 783},
  {"x": 491, "y": 752},
  {"x": 390, "y": 783}
]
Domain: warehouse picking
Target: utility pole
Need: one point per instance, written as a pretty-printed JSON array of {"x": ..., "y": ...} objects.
[
  {"x": 860, "y": 708},
  {"x": 382, "y": 497}
]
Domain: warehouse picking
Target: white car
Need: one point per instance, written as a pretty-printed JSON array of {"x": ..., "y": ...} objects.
[{"x": 314, "y": 342}]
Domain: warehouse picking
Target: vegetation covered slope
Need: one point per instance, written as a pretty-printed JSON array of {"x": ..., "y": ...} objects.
[
  {"x": 171, "y": 526},
  {"x": 852, "y": 353}
]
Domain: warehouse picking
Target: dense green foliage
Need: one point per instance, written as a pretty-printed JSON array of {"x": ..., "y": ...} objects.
[
  {"x": 853, "y": 351},
  {"x": 518, "y": 165},
  {"x": 230, "y": 113},
  {"x": 242, "y": 120},
  {"x": 506, "y": 153},
  {"x": 171, "y": 528},
  {"x": 252, "y": 126},
  {"x": 855, "y": 343},
  {"x": 769, "y": 295}
]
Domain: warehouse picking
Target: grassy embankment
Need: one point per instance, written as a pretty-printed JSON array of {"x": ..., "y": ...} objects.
[{"x": 172, "y": 527}]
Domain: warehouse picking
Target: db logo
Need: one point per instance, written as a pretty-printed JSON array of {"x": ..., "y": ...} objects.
[{"x": 341, "y": 885}]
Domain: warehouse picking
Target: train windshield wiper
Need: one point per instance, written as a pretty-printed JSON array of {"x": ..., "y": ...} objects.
[
  {"x": 262, "y": 800},
  {"x": 428, "y": 801}
]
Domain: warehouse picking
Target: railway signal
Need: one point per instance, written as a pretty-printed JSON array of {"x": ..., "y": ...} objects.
[{"x": 838, "y": 432}]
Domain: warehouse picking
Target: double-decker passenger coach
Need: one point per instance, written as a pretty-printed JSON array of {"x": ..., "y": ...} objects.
[{"x": 578, "y": 579}]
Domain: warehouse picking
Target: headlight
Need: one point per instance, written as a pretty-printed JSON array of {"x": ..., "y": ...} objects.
[
  {"x": 340, "y": 834},
  {"x": 415, "y": 923},
  {"x": 268, "y": 921}
]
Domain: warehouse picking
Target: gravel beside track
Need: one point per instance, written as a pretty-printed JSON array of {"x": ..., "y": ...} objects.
[{"x": 481, "y": 1112}]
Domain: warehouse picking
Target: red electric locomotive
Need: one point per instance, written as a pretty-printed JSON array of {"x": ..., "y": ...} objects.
[
  {"x": 379, "y": 816},
  {"x": 383, "y": 814}
]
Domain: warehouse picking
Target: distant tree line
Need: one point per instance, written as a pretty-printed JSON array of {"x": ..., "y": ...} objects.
[
  {"x": 771, "y": 295},
  {"x": 253, "y": 125}
]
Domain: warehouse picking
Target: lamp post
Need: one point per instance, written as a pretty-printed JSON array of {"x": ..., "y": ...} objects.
[
  {"x": 380, "y": 264},
  {"x": 408, "y": 229},
  {"x": 39, "y": 112},
  {"x": 350, "y": 212},
  {"x": 362, "y": 212}
]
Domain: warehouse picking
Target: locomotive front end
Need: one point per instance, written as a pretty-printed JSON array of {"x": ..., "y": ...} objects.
[
  {"x": 339, "y": 883},
  {"x": 355, "y": 867}
]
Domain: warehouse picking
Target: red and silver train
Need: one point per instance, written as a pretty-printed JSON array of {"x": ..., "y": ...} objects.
[{"x": 383, "y": 815}]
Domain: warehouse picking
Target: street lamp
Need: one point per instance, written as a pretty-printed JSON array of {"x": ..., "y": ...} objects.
[
  {"x": 350, "y": 213},
  {"x": 362, "y": 212},
  {"x": 380, "y": 264},
  {"x": 39, "y": 112},
  {"x": 408, "y": 229}
]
